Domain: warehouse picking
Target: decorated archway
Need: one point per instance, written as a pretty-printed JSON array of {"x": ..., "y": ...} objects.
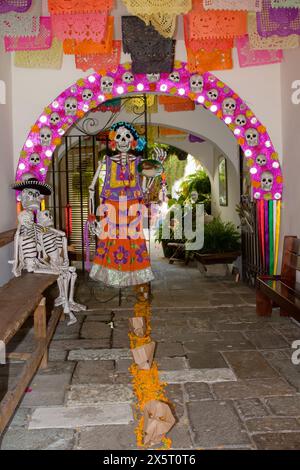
[{"x": 207, "y": 91}]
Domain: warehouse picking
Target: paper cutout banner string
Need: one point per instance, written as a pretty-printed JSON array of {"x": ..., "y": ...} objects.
[
  {"x": 248, "y": 5},
  {"x": 285, "y": 3},
  {"x": 150, "y": 52},
  {"x": 161, "y": 13},
  {"x": 32, "y": 43},
  {"x": 79, "y": 26},
  {"x": 19, "y": 6},
  {"x": 78, "y": 6},
  {"x": 209, "y": 45},
  {"x": 203, "y": 61},
  {"x": 22, "y": 24},
  {"x": 99, "y": 62},
  {"x": 49, "y": 59},
  {"x": 87, "y": 46},
  {"x": 280, "y": 21},
  {"x": 272, "y": 42},
  {"x": 249, "y": 57}
]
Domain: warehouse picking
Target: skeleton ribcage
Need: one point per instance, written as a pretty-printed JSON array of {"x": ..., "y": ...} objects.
[
  {"x": 29, "y": 244},
  {"x": 52, "y": 243}
]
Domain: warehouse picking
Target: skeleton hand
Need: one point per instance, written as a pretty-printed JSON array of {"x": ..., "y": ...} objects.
[
  {"x": 160, "y": 154},
  {"x": 94, "y": 227}
]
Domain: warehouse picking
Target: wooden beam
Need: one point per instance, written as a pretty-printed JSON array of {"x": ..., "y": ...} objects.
[{"x": 7, "y": 237}]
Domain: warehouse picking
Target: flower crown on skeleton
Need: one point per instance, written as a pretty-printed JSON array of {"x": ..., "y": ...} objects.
[{"x": 139, "y": 143}]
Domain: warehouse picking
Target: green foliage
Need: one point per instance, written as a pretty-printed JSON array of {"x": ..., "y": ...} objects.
[
  {"x": 199, "y": 182},
  {"x": 220, "y": 237}
]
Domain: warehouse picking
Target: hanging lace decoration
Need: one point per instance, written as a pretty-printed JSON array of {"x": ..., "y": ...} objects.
[
  {"x": 279, "y": 21},
  {"x": 19, "y": 6},
  {"x": 249, "y": 57},
  {"x": 80, "y": 26},
  {"x": 161, "y": 14},
  {"x": 285, "y": 3},
  {"x": 136, "y": 104},
  {"x": 248, "y": 5},
  {"x": 32, "y": 43},
  {"x": 202, "y": 61},
  {"x": 22, "y": 24},
  {"x": 216, "y": 24},
  {"x": 100, "y": 62},
  {"x": 209, "y": 45},
  {"x": 150, "y": 52},
  {"x": 79, "y": 6},
  {"x": 87, "y": 46},
  {"x": 273, "y": 42},
  {"x": 49, "y": 59}
]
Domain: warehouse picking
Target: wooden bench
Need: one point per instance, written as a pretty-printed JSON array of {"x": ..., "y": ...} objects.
[
  {"x": 281, "y": 291},
  {"x": 20, "y": 298}
]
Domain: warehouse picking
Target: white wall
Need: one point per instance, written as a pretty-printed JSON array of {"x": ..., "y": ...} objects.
[
  {"x": 7, "y": 201},
  {"x": 290, "y": 71}
]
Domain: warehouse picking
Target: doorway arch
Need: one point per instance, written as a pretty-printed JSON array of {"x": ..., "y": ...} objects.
[{"x": 207, "y": 91}]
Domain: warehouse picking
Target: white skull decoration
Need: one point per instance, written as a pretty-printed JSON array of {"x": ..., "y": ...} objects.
[
  {"x": 87, "y": 94},
  {"x": 54, "y": 118},
  {"x": 107, "y": 84},
  {"x": 240, "y": 120},
  {"x": 45, "y": 219},
  {"x": 213, "y": 94},
  {"x": 153, "y": 77},
  {"x": 45, "y": 136},
  {"x": 123, "y": 139},
  {"x": 261, "y": 160},
  {"x": 127, "y": 77},
  {"x": 252, "y": 137},
  {"x": 71, "y": 106},
  {"x": 266, "y": 180},
  {"x": 229, "y": 106},
  {"x": 34, "y": 159},
  {"x": 30, "y": 199},
  {"x": 174, "y": 77},
  {"x": 196, "y": 83}
]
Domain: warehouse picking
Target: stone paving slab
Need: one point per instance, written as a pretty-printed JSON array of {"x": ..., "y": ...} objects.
[
  {"x": 169, "y": 350},
  {"x": 94, "y": 395},
  {"x": 197, "y": 375},
  {"x": 272, "y": 424},
  {"x": 278, "y": 441},
  {"x": 281, "y": 361},
  {"x": 113, "y": 437},
  {"x": 46, "y": 390},
  {"x": 266, "y": 339},
  {"x": 67, "y": 417},
  {"x": 252, "y": 389},
  {"x": 215, "y": 424},
  {"x": 206, "y": 358},
  {"x": 99, "y": 354},
  {"x": 251, "y": 408},
  {"x": 172, "y": 363},
  {"x": 95, "y": 330},
  {"x": 249, "y": 365},
  {"x": 63, "y": 331},
  {"x": 69, "y": 345},
  {"x": 197, "y": 391},
  {"x": 285, "y": 406},
  {"x": 46, "y": 439}
]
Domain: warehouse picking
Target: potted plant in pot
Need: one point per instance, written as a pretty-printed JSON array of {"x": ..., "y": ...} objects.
[{"x": 221, "y": 243}]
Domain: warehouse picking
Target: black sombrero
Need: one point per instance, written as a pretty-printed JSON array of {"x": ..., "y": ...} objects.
[{"x": 33, "y": 183}]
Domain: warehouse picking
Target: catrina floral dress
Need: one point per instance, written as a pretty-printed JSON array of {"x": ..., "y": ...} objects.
[{"x": 121, "y": 257}]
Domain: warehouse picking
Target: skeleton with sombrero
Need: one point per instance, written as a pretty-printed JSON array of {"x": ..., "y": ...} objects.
[{"x": 40, "y": 248}]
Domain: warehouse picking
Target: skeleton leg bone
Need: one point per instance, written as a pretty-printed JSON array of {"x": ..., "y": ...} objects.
[{"x": 74, "y": 305}]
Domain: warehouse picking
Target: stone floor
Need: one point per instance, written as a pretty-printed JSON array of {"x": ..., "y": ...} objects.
[{"x": 229, "y": 373}]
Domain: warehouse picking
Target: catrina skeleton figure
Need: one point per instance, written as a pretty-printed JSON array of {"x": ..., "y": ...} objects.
[{"x": 121, "y": 257}]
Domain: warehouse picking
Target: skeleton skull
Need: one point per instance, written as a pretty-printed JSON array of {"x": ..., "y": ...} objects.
[
  {"x": 45, "y": 219},
  {"x": 127, "y": 77},
  {"x": 266, "y": 180},
  {"x": 30, "y": 199},
  {"x": 71, "y": 106},
  {"x": 196, "y": 83},
  {"x": 87, "y": 94},
  {"x": 107, "y": 84},
  {"x": 261, "y": 160},
  {"x": 45, "y": 136},
  {"x": 34, "y": 159},
  {"x": 54, "y": 118},
  {"x": 229, "y": 106},
  {"x": 174, "y": 77},
  {"x": 252, "y": 137},
  {"x": 153, "y": 77},
  {"x": 213, "y": 94},
  {"x": 240, "y": 120},
  {"x": 123, "y": 139}
]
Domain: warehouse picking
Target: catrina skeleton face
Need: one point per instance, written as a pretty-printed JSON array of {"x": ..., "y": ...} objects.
[
  {"x": 45, "y": 219},
  {"x": 30, "y": 199},
  {"x": 123, "y": 139}
]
